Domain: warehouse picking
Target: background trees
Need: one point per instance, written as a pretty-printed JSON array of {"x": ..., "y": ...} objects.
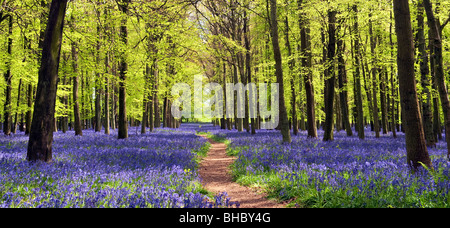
[{"x": 119, "y": 60}]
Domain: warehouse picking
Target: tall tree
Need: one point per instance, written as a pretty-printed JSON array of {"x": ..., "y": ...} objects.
[
  {"x": 435, "y": 36},
  {"x": 123, "y": 68},
  {"x": 415, "y": 140},
  {"x": 307, "y": 65},
  {"x": 98, "y": 86},
  {"x": 342, "y": 79},
  {"x": 291, "y": 76},
  {"x": 279, "y": 72},
  {"x": 41, "y": 136},
  {"x": 330, "y": 77},
  {"x": 76, "y": 106},
  {"x": 8, "y": 78},
  {"x": 425, "y": 76},
  {"x": 374, "y": 70},
  {"x": 357, "y": 74}
]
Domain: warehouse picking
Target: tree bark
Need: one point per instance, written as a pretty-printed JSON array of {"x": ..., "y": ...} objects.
[
  {"x": 308, "y": 79},
  {"x": 7, "y": 106},
  {"x": 41, "y": 136},
  {"x": 342, "y": 78},
  {"x": 107, "y": 62},
  {"x": 30, "y": 104},
  {"x": 415, "y": 139},
  {"x": 123, "y": 68},
  {"x": 374, "y": 70},
  {"x": 425, "y": 79},
  {"x": 394, "y": 90},
  {"x": 435, "y": 32},
  {"x": 98, "y": 83},
  {"x": 291, "y": 76},
  {"x": 279, "y": 72},
  {"x": 146, "y": 102},
  {"x": 248, "y": 69},
  {"x": 331, "y": 79},
  {"x": 16, "y": 118},
  {"x": 76, "y": 108},
  {"x": 357, "y": 64},
  {"x": 157, "y": 121}
]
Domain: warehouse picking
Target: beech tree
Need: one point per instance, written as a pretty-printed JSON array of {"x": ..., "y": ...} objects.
[
  {"x": 123, "y": 68},
  {"x": 436, "y": 44},
  {"x": 415, "y": 140},
  {"x": 279, "y": 72},
  {"x": 41, "y": 135}
]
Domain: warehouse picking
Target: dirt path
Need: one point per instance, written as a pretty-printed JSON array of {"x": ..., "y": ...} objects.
[{"x": 216, "y": 177}]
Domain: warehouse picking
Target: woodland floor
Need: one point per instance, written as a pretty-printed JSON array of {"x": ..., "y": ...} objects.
[{"x": 216, "y": 177}]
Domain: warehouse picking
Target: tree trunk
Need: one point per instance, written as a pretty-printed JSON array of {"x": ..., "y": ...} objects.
[
  {"x": 106, "y": 109},
  {"x": 248, "y": 69},
  {"x": 357, "y": 64},
  {"x": 29, "y": 104},
  {"x": 435, "y": 32},
  {"x": 279, "y": 72},
  {"x": 383, "y": 101},
  {"x": 155, "y": 71},
  {"x": 343, "y": 96},
  {"x": 331, "y": 79},
  {"x": 425, "y": 79},
  {"x": 291, "y": 76},
  {"x": 98, "y": 83},
  {"x": 123, "y": 68},
  {"x": 373, "y": 44},
  {"x": 16, "y": 118},
  {"x": 394, "y": 90},
  {"x": 145, "y": 100},
  {"x": 76, "y": 108},
  {"x": 415, "y": 139},
  {"x": 308, "y": 79},
  {"x": 7, "y": 106},
  {"x": 41, "y": 136}
]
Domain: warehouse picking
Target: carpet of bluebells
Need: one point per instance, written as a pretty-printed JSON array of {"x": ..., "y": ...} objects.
[
  {"x": 347, "y": 172},
  {"x": 157, "y": 170}
]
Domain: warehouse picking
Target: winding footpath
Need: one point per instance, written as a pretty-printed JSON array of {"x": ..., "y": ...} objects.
[{"x": 216, "y": 177}]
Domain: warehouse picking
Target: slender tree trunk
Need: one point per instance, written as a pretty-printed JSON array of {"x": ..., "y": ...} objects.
[
  {"x": 224, "y": 118},
  {"x": 394, "y": 91},
  {"x": 343, "y": 96},
  {"x": 155, "y": 94},
  {"x": 41, "y": 136},
  {"x": 18, "y": 105},
  {"x": 330, "y": 81},
  {"x": 291, "y": 76},
  {"x": 435, "y": 32},
  {"x": 307, "y": 65},
  {"x": 279, "y": 72},
  {"x": 107, "y": 70},
  {"x": 106, "y": 109},
  {"x": 415, "y": 139},
  {"x": 98, "y": 83},
  {"x": 76, "y": 108},
  {"x": 30, "y": 105},
  {"x": 7, "y": 106},
  {"x": 425, "y": 79},
  {"x": 248, "y": 69},
  {"x": 383, "y": 101},
  {"x": 373, "y": 45},
  {"x": 357, "y": 64},
  {"x": 123, "y": 68},
  {"x": 145, "y": 99}
]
